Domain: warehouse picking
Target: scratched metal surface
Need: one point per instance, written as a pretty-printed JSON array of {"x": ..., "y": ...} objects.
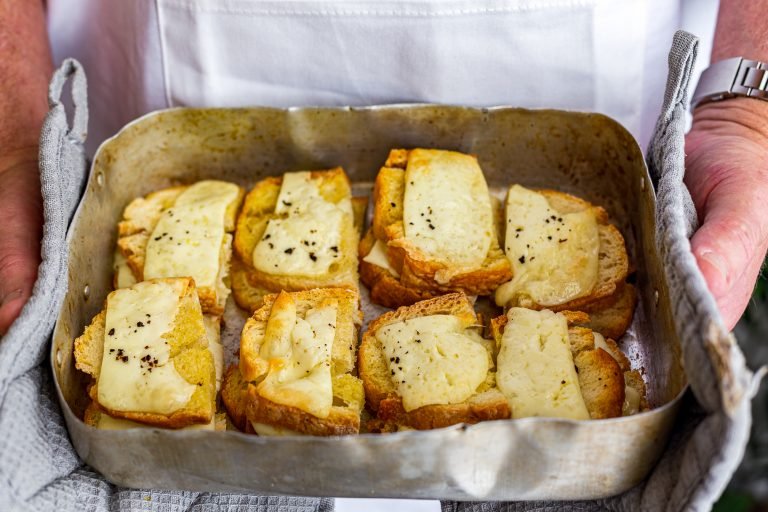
[{"x": 535, "y": 458}]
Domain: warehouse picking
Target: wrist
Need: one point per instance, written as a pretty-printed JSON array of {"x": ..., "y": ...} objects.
[
  {"x": 23, "y": 155},
  {"x": 740, "y": 117}
]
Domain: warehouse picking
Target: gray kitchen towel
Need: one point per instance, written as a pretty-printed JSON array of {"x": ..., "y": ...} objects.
[
  {"x": 39, "y": 469},
  {"x": 713, "y": 426}
]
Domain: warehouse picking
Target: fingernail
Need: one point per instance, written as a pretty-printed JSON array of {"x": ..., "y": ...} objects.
[
  {"x": 718, "y": 283},
  {"x": 10, "y": 296}
]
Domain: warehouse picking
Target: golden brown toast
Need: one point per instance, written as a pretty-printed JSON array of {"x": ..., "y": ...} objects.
[
  {"x": 271, "y": 342},
  {"x": 136, "y": 233},
  {"x": 250, "y": 297},
  {"x": 415, "y": 267},
  {"x": 612, "y": 316},
  {"x": 188, "y": 353},
  {"x": 261, "y": 208},
  {"x": 613, "y": 261},
  {"x": 602, "y": 374},
  {"x": 484, "y": 403}
]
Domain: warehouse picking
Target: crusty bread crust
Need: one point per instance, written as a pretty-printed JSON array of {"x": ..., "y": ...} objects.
[
  {"x": 415, "y": 268},
  {"x": 600, "y": 377},
  {"x": 340, "y": 421},
  {"x": 259, "y": 208},
  {"x": 195, "y": 357},
  {"x": 139, "y": 220},
  {"x": 483, "y": 406},
  {"x": 346, "y": 388},
  {"x": 248, "y": 297},
  {"x": 612, "y": 316},
  {"x": 234, "y": 396},
  {"x": 381, "y": 393}
]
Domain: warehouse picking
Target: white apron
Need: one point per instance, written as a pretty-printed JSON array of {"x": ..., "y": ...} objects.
[{"x": 140, "y": 55}]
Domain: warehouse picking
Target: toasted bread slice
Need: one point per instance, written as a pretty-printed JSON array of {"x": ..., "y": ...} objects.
[
  {"x": 604, "y": 373},
  {"x": 386, "y": 382},
  {"x": 612, "y": 262},
  {"x": 451, "y": 245},
  {"x": 612, "y": 316},
  {"x": 298, "y": 382},
  {"x": 635, "y": 399},
  {"x": 179, "y": 232},
  {"x": 297, "y": 232},
  {"x": 161, "y": 374},
  {"x": 250, "y": 297}
]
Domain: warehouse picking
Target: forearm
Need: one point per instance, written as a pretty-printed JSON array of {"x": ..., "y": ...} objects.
[
  {"x": 24, "y": 73},
  {"x": 742, "y": 30}
]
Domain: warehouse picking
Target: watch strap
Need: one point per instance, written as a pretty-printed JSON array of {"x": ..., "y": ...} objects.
[{"x": 730, "y": 78}]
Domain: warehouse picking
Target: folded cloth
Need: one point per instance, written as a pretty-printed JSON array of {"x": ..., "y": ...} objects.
[{"x": 40, "y": 470}]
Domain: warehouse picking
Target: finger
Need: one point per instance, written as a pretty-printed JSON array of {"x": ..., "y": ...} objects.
[
  {"x": 730, "y": 245},
  {"x": 733, "y": 304},
  {"x": 20, "y": 232},
  {"x": 18, "y": 272}
]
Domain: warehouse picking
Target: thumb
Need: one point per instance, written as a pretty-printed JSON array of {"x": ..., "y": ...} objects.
[
  {"x": 20, "y": 232},
  {"x": 730, "y": 245}
]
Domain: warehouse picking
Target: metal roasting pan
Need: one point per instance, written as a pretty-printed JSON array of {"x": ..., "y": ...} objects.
[{"x": 530, "y": 459}]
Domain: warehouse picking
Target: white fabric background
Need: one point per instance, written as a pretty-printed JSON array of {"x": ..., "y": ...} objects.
[{"x": 599, "y": 55}]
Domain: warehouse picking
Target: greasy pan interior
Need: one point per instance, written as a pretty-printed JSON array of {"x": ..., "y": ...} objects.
[{"x": 589, "y": 155}]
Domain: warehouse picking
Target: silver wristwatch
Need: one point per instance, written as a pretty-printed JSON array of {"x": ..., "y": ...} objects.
[{"x": 730, "y": 78}]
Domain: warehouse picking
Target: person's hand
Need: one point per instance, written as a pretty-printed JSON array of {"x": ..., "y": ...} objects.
[
  {"x": 727, "y": 175},
  {"x": 21, "y": 222}
]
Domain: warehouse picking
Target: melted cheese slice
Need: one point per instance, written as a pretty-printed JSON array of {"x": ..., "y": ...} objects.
[
  {"x": 631, "y": 403},
  {"x": 535, "y": 366},
  {"x": 447, "y": 211},
  {"x": 137, "y": 319},
  {"x": 298, "y": 350},
  {"x": 305, "y": 236},
  {"x": 378, "y": 257},
  {"x": 187, "y": 240},
  {"x": 434, "y": 359},
  {"x": 554, "y": 256}
]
